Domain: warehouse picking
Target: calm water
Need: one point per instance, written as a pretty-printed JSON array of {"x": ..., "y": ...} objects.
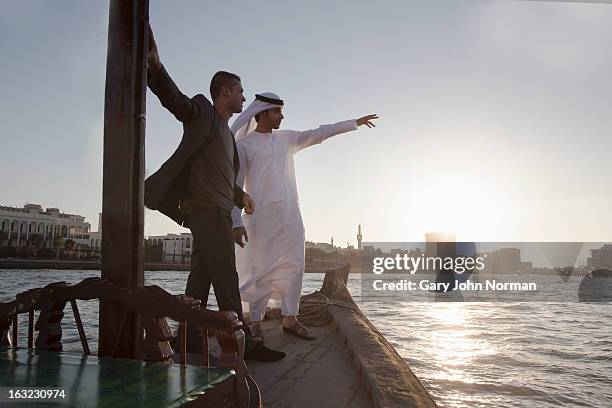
[{"x": 484, "y": 354}]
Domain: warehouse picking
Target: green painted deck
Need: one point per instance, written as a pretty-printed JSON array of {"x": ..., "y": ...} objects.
[{"x": 106, "y": 382}]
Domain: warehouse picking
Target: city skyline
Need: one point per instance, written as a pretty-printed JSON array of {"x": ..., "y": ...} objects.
[
  {"x": 493, "y": 122},
  {"x": 34, "y": 218}
]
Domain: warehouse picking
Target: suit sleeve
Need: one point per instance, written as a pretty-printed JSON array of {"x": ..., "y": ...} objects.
[
  {"x": 181, "y": 106},
  {"x": 238, "y": 195},
  {"x": 238, "y": 192}
]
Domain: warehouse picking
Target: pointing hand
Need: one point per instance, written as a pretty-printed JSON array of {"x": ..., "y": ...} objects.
[{"x": 367, "y": 120}]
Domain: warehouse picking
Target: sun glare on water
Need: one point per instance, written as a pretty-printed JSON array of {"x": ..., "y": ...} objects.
[{"x": 456, "y": 347}]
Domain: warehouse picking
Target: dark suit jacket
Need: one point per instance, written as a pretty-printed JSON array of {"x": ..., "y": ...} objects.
[{"x": 167, "y": 189}]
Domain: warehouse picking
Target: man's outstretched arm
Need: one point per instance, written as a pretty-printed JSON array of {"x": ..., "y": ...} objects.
[
  {"x": 302, "y": 140},
  {"x": 181, "y": 106}
]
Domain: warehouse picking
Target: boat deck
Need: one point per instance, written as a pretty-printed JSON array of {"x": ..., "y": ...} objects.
[
  {"x": 317, "y": 373},
  {"x": 349, "y": 364}
]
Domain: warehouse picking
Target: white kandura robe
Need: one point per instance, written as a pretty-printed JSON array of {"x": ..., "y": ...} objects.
[{"x": 271, "y": 265}]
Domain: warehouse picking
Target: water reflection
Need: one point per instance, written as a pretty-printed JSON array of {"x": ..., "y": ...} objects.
[
  {"x": 453, "y": 347},
  {"x": 472, "y": 354}
]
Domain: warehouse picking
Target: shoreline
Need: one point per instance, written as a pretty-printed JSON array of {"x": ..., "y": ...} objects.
[
  {"x": 63, "y": 265},
  {"x": 91, "y": 265}
]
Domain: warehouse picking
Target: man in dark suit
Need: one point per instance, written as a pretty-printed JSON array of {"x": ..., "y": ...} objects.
[{"x": 196, "y": 187}]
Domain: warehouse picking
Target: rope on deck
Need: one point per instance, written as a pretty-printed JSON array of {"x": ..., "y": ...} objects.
[{"x": 314, "y": 309}]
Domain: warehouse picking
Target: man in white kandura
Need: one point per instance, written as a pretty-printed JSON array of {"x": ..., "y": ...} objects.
[{"x": 271, "y": 265}]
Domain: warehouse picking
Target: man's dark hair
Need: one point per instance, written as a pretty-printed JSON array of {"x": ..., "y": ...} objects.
[{"x": 222, "y": 79}]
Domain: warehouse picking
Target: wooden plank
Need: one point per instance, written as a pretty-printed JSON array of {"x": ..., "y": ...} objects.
[
  {"x": 123, "y": 184},
  {"x": 385, "y": 374},
  {"x": 315, "y": 373}
]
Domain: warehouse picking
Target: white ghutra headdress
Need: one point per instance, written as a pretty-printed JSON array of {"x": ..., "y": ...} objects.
[{"x": 245, "y": 122}]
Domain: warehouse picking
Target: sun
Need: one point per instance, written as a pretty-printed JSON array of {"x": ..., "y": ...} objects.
[{"x": 459, "y": 206}]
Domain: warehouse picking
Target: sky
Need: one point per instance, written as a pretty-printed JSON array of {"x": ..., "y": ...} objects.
[{"x": 495, "y": 114}]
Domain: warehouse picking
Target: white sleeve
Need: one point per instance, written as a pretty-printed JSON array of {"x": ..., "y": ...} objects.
[
  {"x": 242, "y": 157},
  {"x": 302, "y": 140}
]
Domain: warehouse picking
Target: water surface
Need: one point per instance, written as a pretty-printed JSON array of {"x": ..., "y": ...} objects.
[{"x": 471, "y": 354}]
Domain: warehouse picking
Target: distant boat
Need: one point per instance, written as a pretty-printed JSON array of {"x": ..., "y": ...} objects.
[{"x": 565, "y": 272}]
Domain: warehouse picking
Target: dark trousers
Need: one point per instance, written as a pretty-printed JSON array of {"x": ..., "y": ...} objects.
[{"x": 213, "y": 262}]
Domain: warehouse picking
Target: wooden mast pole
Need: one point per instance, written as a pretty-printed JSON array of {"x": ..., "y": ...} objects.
[{"x": 123, "y": 185}]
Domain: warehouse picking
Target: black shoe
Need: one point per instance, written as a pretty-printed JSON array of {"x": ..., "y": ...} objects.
[{"x": 263, "y": 353}]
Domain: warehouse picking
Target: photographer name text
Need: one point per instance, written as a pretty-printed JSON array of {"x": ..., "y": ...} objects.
[{"x": 427, "y": 285}]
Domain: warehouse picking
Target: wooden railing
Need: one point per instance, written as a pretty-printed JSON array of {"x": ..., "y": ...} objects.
[{"x": 152, "y": 304}]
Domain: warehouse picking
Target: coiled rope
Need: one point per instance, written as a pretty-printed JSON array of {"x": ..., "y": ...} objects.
[{"x": 314, "y": 310}]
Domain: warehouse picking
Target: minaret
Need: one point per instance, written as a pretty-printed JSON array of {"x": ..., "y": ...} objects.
[
  {"x": 332, "y": 242},
  {"x": 359, "y": 237}
]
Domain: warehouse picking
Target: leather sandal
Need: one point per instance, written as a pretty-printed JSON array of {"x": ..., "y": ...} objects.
[{"x": 297, "y": 329}]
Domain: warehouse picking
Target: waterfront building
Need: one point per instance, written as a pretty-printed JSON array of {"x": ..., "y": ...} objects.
[
  {"x": 504, "y": 260},
  {"x": 440, "y": 244},
  {"x": 526, "y": 267},
  {"x": 369, "y": 251},
  {"x": 176, "y": 248},
  {"x": 323, "y": 246},
  {"x": 20, "y": 225},
  {"x": 95, "y": 241},
  {"x": 601, "y": 258},
  {"x": 95, "y": 238}
]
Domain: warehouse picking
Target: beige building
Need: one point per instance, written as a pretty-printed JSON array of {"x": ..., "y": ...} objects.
[
  {"x": 601, "y": 258},
  {"x": 504, "y": 260},
  {"x": 95, "y": 237},
  {"x": 177, "y": 248},
  {"x": 20, "y": 224}
]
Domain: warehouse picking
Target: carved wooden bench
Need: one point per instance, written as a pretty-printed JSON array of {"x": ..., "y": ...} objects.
[{"x": 154, "y": 380}]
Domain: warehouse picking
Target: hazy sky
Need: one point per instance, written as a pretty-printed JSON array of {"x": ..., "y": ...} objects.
[{"x": 495, "y": 115}]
